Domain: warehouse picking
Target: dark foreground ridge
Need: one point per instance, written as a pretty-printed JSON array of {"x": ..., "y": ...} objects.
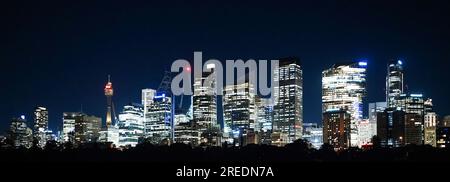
[{"x": 299, "y": 151}]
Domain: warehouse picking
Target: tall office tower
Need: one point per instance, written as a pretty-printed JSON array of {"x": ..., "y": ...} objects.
[
  {"x": 414, "y": 129},
  {"x": 205, "y": 109},
  {"x": 443, "y": 133},
  {"x": 147, "y": 99},
  {"x": 147, "y": 96},
  {"x": 40, "y": 126},
  {"x": 50, "y": 136},
  {"x": 238, "y": 113},
  {"x": 158, "y": 127},
  {"x": 68, "y": 133},
  {"x": 131, "y": 125},
  {"x": 394, "y": 82},
  {"x": 184, "y": 130},
  {"x": 110, "y": 136},
  {"x": 443, "y": 137},
  {"x": 410, "y": 103},
  {"x": 264, "y": 119},
  {"x": 109, "y": 92},
  {"x": 445, "y": 122},
  {"x": 413, "y": 105},
  {"x": 313, "y": 134},
  {"x": 391, "y": 127},
  {"x": 375, "y": 108},
  {"x": 87, "y": 128},
  {"x": 344, "y": 88},
  {"x": 430, "y": 121},
  {"x": 336, "y": 128},
  {"x": 428, "y": 106},
  {"x": 288, "y": 95},
  {"x": 20, "y": 134},
  {"x": 364, "y": 132}
]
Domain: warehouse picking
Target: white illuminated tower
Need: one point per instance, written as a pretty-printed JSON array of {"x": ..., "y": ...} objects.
[
  {"x": 288, "y": 95},
  {"x": 239, "y": 112},
  {"x": 205, "y": 108},
  {"x": 394, "y": 82},
  {"x": 40, "y": 125},
  {"x": 343, "y": 89},
  {"x": 108, "y": 93},
  {"x": 131, "y": 125}
]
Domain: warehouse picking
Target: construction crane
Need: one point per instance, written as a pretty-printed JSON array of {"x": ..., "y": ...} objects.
[{"x": 116, "y": 119}]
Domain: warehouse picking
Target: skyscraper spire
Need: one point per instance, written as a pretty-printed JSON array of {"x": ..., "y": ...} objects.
[{"x": 108, "y": 93}]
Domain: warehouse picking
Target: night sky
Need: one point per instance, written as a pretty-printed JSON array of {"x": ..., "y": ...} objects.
[{"x": 58, "y": 54}]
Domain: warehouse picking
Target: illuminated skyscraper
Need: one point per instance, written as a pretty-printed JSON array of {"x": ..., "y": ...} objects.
[
  {"x": 364, "y": 132},
  {"x": 344, "y": 88},
  {"x": 428, "y": 106},
  {"x": 264, "y": 119},
  {"x": 68, "y": 133},
  {"x": 40, "y": 126},
  {"x": 443, "y": 137},
  {"x": 147, "y": 96},
  {"x": 336, "y": 128},
  {"x": 391, "y": 127},
  {"x": 185, "y": 132},
  {"x": 110, "y": 136},
  {"x": 158, "y": 127},
  {"x": 205, "y": 109},
  {"x": 430, "y": 121},
  {"x": 109, "y": 92},
  {"x": 238, "y": 112},
  {"x": 87, "y": 128},
  {"x": 445, "y": 121},
  {"x": 374, "y": 109},
  {"x": 20, "y": 134},
  {"x": 131, "y": 125},
  {"x": 404, "y": 123},
  {"x": 443, "y": 133},
  {"x": 147, "y": 99},
  {"x": 410, "y": 103},
  {"x": 394, "y": 82},
  {"x": 313, "y": 134},
  {"x": 414, "y": 129},
  {"x": 288, "y": 95}
]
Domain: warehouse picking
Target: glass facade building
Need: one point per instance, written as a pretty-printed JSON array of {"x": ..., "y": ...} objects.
[
  {"x": 288, "y": 108},
  {"x": 68, "y": 131},
  {"x": 239, "y": 112},
  {"x": 430, "y": 126},
  {"x": 313, "y": 134},
  {"x": 158, "y": 126},
  {"x": 337, "y": 128},
  {"x": 40, "y": 126},
  {"x": 20, "y": 134},
  {"x": 131, "y": 125},
  {"x": 87, "y": 129},
  {"x": 394, "y": 82},
  {"x": 374, "y": 109},
  {"x": 344, "y": 88},
  {"x": 205, "y": 108},
  {"x": 264, "y": 119}
]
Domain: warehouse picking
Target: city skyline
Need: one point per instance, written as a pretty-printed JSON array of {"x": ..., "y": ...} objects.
[
  {"x": 67, "y": 70},
  {"x": 225, "y": 90},
  {"x": 59, "y": 123}
]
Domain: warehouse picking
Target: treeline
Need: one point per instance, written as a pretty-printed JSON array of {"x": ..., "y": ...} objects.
[{"x": 299, "y": 151}]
